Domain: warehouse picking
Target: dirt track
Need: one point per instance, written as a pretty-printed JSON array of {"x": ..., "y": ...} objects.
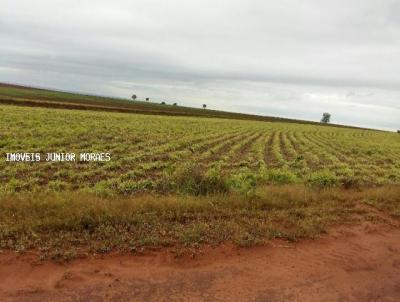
[{"x": 357, "y": 264}]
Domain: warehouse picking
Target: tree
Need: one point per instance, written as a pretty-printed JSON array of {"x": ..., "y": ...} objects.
[
  {"x": 204, "y": 106},
  {"x": 326, "y": 118},
  {"x": 174, "y": 104},
  {"x": 162, "y": 103},
  {"x": 134, "y": 96},
  {"x": 398, "y": 131},
  {"x": 147, "y": 99}
]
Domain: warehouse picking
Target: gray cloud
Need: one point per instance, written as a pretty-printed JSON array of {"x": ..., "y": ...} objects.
[{"x": 288, "y": 58}]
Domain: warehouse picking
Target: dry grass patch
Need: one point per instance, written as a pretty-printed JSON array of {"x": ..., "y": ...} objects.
[{"x": 66, "y": 224}]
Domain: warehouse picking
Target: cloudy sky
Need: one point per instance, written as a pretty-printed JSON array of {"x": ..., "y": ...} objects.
[{"x": 283, "y": 58}]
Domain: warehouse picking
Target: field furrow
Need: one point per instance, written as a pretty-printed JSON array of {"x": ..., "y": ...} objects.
[{"x": 147, "y": 151}]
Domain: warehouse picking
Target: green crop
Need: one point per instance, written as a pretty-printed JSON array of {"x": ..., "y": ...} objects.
[{"x": 194, "y": 155}]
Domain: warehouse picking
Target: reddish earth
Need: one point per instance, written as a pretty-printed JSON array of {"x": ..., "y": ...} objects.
[{"x": 357, "y": 264}]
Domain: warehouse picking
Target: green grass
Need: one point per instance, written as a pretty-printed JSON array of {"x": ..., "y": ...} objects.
[{"x": 62, "y": 225}]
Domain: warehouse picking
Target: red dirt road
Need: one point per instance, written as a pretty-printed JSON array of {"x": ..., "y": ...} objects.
[{"x": 357, "y": 264}]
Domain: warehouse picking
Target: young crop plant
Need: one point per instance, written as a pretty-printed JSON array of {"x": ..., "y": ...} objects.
[{"x": 147, "y": 149}]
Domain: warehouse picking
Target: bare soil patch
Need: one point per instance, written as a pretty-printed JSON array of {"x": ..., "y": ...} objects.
[{"x": 360, "y": 263}]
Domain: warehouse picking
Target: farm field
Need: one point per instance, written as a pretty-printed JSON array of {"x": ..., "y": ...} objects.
[
  {"x": 199, "y": 151},
  {"x": 35, "y": 97},
  {"x": 184, "y": 182},
  {"x": 187, "y": 154}
]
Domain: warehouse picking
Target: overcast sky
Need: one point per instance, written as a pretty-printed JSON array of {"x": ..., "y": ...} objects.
[{"x": 282, "y": 58}]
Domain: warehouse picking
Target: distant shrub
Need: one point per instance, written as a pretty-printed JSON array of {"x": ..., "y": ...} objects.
[
  {"x": 162, "y": 103},
  {"x": 347, "y": 179},
  {"x": 323, "y": 178},
  {"x": 243, "y": 182},
  {"x": 174, "y": 104},
  {"x": 191, "y": 178},
  {"x": 281, "y": 176},
  {"x": 326, "y": 118}
]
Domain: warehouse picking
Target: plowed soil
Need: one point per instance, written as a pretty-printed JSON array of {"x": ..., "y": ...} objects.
[{"x": 349, "y": 264}]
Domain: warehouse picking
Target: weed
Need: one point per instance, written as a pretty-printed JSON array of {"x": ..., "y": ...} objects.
[{"x": 323, "y": 179}]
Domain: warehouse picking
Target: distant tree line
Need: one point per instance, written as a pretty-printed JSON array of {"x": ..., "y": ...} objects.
[{"x": 134, "y": 97}]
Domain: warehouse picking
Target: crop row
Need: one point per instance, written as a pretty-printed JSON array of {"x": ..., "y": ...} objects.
[{"x": 149, "y": 151}]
